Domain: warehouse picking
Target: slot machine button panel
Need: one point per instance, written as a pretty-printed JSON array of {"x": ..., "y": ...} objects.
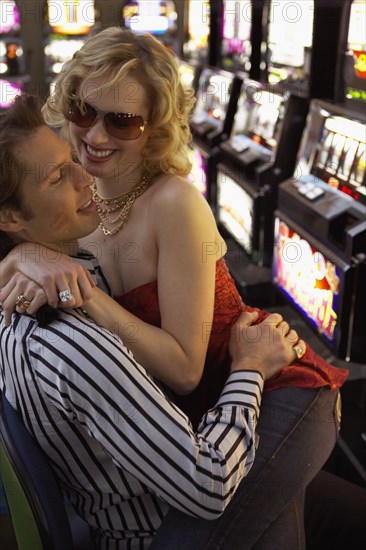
[
  {"x": 239, "y": 144},
  {"x": 310, "y": 191},
  {"x": 251, "y": 156}
]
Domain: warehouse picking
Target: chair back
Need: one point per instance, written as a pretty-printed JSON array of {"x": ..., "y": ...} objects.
[{"x": 36, "y": 503}]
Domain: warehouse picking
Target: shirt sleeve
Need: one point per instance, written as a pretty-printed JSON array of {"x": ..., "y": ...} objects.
[{"x": 88, "y": 374}]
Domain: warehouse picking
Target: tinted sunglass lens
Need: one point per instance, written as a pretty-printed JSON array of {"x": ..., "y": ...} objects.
[
  {"x": 122, "y": 126},
  {"x": 82, "y": 116}
]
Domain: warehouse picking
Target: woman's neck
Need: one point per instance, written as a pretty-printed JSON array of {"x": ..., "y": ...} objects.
[{"x": 120, "y": 182}]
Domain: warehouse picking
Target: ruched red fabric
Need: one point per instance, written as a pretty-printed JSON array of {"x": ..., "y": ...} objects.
[{"x": 310, "y": 371}]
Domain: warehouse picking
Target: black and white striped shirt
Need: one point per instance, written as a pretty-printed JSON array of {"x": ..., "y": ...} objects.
[{"x": 122, "y": 451}]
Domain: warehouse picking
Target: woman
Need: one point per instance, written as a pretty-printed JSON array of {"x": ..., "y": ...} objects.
[{"x": 120, "y": 103}]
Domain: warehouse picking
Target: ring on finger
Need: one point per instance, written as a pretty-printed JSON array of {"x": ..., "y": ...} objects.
[
  {"x": 299, "y": 350},
  {"x": 65, "y": 295},
  {"x": 22, "y": 302}
]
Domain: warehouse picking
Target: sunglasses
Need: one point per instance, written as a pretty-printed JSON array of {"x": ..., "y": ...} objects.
[{"x": 119, "y": 125}]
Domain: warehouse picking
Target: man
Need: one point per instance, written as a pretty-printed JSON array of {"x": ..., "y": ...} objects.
[{"x": 122, "y": 451}]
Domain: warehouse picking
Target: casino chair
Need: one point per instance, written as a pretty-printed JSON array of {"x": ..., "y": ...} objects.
[{"x": 41, "y": 518}]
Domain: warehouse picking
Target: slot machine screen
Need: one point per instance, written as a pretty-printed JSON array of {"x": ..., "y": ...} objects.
[
  {"x": 153, "y": 16},
  {"x": 198, "y": 175},
  {"x": 290, "y": 37},
  {"x": 235, "y": 210},
  {"x": 70, "y": 22},
  {"x": 258, "y": 118},
  {"x": 11, "y": 57},
  {"x": 236, "y": 44},
  {"x": 309, "y": 279},
  {"x": 187, "y": 74},
  {"x": 11, "y": 50},
  {"x": 71, "y": 17},
  {"x": 9, "y": 17},
  {"x": 338, "y": 152},
  {"x": 213, "y": 96},
  {"x": 356, "y": 49},
  {"x": 199, "y": 16},
  {"x": 8, "y": 91},
  {"x": 59, "y": 50}
]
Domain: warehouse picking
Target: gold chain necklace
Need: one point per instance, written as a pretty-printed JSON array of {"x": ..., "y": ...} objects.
[{"x": 122, "y": 203}]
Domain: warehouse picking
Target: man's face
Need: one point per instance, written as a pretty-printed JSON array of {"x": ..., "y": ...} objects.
[{"x": 56, "y": 191}]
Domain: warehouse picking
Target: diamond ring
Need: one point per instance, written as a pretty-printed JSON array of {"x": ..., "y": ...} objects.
[{"x": 65, "y": 295}]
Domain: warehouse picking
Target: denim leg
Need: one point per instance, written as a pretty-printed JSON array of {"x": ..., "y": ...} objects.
[
  {"x": 298, "y": 429},
  {"x": 287, "y": 532}
]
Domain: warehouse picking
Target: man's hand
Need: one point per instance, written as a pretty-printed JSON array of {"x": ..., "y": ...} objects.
[{"x": 266, "y": 347}]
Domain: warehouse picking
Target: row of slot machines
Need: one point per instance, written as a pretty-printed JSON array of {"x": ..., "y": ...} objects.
[
  {"x": 274, "y": 41},
  {"x": 285, "y": 177},
  {"x": 38, "y": 36}
]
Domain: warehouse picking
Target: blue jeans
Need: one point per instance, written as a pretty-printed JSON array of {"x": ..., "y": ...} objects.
[{"x": 298, "y": 429}]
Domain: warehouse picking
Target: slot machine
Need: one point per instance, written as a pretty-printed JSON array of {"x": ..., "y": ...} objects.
[
  {"x": 236, "y": 44},
  {"x": 240, "y": 37},
  {"x": 351, "y": 88},
  {"x": 12, "y": 65},
  {"x": 323, "y": 280},
  {"x": 301, "y": 45},
  {"x": 68, "y": 24},
  {"x": 155, "y": 17},
  {"x": 325, "y": 206},
  {"x": 287, "y": 49},
  {"x": 332, "y": 153},
  {"x": 211, "y": 122},
  {"x": 197, "y": 32},
  {"x": 260, "y": 153},
  {"x": 189, "y": 74},
  {"x": 194, "y": 29}
]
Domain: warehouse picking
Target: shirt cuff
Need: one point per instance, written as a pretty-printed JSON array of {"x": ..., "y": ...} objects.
[{"x": 243, "y": 388}]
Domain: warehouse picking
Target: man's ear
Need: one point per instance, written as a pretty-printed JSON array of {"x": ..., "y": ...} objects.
[{"x": 10, "y": 221}]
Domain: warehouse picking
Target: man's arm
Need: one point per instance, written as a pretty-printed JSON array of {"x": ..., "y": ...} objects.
[{"x": 93, "y": 379}]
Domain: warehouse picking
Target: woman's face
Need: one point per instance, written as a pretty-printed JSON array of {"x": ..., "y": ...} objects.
[{"x": 103, "y": 155}]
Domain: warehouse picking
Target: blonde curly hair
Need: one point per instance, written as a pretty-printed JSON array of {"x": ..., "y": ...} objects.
[{"x": 113, "y": 53}]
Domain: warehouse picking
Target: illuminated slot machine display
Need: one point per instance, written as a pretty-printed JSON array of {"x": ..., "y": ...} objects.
[
  {"x": 259, "y": 154},
  {"x": 69, "y": 22},
  {"x": 12, "y": 67},
  {"x": 189, "y": 74},
  {"x": 213, "y": 115},
  {"x": 236, "y": 45},
  {"x": 155, "y": 17},
  {"x": 289, "y": 40},
  {"x": 235, "y": 211},
  {"x": 195, "y": 47},
  {"x": 324, "y": 285},
  {"x": 326, "y": 199},
  {"x": 354, "y": 69},
  {"x": 333, "y": 154},
  {"x": 198, "y": 175}
]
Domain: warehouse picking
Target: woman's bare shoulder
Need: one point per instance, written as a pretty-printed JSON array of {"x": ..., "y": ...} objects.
[{"x": 170, "y": 188}]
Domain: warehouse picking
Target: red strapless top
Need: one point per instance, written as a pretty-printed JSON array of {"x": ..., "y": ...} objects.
[{"x": 310, "y": 371}]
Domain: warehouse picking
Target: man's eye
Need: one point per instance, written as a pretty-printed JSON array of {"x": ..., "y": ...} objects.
[
  {"x": 57, "y": 179},
  {"x": 75, "y": 158}
]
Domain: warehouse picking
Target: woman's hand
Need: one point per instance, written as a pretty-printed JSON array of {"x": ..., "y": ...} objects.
[
  {"x": 21, "y": 294},
  {"x": 266, "y": 347},
  {"x": 42, "y": 277}
]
